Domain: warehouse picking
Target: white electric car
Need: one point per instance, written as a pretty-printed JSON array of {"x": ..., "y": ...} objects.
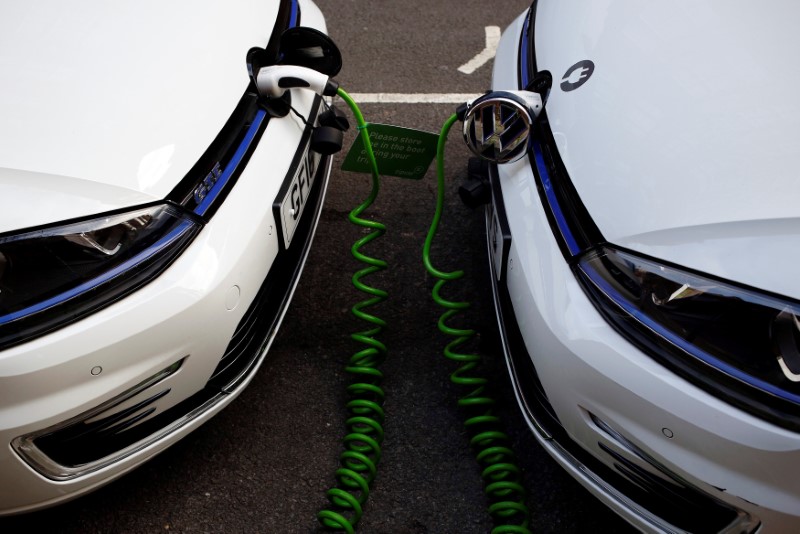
[
  {"x": 154, "y": 221},
  {"x": 644, "y": 252}
]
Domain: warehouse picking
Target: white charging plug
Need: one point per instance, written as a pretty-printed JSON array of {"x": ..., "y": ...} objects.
[{"x": 274, "y": 80}]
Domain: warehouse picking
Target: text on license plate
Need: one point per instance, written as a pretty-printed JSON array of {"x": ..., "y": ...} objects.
[{"x": 293, "y": 203}]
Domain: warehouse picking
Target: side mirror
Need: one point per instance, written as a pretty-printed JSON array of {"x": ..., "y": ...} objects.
[
  {"x": 307, "y": 47},
  {"x": 497, "y": 125}
]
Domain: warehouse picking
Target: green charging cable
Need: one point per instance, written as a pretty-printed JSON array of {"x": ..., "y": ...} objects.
[
  {"x": 364, "y": 424},
  {"x": 493, "y": 450},
  {"x": 358, "y": 463}
]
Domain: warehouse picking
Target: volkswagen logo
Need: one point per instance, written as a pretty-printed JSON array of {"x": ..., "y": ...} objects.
[{"x": 497, "y": 125}]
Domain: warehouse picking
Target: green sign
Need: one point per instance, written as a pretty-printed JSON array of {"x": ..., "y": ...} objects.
[{"x": 402, "y": 152}]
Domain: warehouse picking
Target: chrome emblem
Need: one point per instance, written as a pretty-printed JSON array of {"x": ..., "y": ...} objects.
[
  {"x": 202, "y": 189},
  {"x": 497, "y": 127}
]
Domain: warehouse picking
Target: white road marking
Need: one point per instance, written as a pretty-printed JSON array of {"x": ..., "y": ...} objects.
[
  {"x": 413, "y": 98},
  {"x": 492, "y": 40}
]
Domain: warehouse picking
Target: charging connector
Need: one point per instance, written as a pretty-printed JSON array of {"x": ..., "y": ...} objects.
[{"x": 274, "y": 80}]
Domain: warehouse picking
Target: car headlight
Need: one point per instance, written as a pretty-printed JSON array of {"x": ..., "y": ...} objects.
[
  {"x": 55, "y": 275},
  {"x": 742, "y": 343},
  {"x": 52, "y": 276}
]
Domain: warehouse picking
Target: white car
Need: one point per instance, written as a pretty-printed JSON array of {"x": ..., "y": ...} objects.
[
  {"x": 644, "y": 248},
  {"x": 154, "y": 220}
]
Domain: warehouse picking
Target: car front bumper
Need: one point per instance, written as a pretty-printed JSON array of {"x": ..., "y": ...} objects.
[
  {"x": 91, "y": 401},
  {"x": 664, "y": 454}
]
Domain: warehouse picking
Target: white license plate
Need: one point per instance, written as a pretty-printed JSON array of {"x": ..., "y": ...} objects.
[{"x": 294, "y": 201}]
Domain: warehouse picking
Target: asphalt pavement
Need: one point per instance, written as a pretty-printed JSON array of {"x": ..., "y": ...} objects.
[{"x": 265, "y": 463}]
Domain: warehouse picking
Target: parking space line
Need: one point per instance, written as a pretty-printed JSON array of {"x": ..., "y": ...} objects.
[{"x": 492, "y": 40}]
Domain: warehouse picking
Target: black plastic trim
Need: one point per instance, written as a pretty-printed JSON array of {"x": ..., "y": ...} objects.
[
  {"x": 579, "y": 224},
  {"x": 85, "y": 442},
  {"x": 529, "y": 44},
  {"x": 679, "y": 505},
  {"x": 282, "y": 23}
]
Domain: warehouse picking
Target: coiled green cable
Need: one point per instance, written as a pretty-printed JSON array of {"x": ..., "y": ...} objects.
[
  {"x": 365, "y": 432},
  {"x": 501, "y": 476},
  {"x": 364, "y": 424}
]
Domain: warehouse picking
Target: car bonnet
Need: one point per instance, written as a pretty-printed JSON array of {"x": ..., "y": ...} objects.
[
  {"x": 109, "y": 104},
  {"x": 681, "y": 134}
]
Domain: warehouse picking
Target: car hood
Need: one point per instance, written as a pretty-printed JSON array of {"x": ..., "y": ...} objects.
[
  {"x": 109, "y": 104},
  {"x": 683, "y": 142}
]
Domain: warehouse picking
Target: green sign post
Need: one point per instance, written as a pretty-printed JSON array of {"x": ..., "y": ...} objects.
[{"x": 402, "y": 152}]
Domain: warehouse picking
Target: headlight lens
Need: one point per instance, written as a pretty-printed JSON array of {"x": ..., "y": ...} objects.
[
  {"x": 55, "y": 275},
  {"x": 742, "y": 343}
]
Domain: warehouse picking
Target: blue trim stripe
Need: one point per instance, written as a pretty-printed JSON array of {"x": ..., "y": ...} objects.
[
  {"x": 294, "y": 19},
  {"x": 544, "y": 176},
  {"x": 678, "y": 341},
  {"x": 164, "y": 243},
  {"x": 233, "y": 164},
  {"x": 552, "y": 200}
]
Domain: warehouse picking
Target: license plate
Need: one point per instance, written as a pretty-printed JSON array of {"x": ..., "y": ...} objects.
[
  {"x": 495, "y": 236},
  {"x": 294, "y": 200},
  {"x": 499, "y": 235}
]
